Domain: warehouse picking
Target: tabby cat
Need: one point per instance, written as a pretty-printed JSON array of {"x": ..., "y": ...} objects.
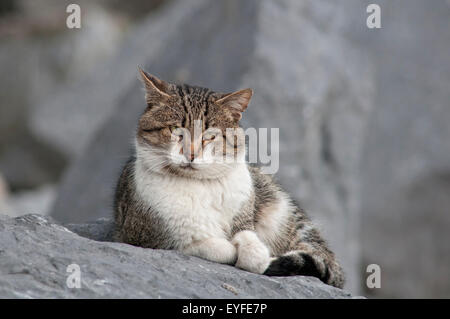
[{"x": 185, "y": 198}]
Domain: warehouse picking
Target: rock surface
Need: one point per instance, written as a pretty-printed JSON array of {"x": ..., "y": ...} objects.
[
  {"x": 35, "y": 253},
  {"x": 314, "y": 86}
]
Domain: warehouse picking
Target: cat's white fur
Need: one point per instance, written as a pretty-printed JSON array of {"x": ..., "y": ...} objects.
[
  {"x": 199, "y": 212},
  {"x": 253, "y": 254},
  {"x": 273, "y": 218}
]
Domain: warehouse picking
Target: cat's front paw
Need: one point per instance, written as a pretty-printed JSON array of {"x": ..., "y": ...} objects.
[
  {"x": 219, "y": 250},
  {"x": 253, "y": 255}
]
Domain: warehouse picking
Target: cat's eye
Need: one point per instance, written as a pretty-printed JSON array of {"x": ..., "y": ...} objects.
[
  {"x": 172, "y": 129},
  {"x": 209, "y": 138}
]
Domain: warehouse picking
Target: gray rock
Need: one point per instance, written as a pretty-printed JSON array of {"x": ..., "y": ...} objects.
[
  {"x": 314, "y": 86},
  {"x": 35, "y": 253},
  {"x": 46, "y": 55},
  {"x": 406, "y": 157},
  {"x": 29, "y": 202},
  {"x": 99, "y": 230},
  {"x": 4, "y": 189}
]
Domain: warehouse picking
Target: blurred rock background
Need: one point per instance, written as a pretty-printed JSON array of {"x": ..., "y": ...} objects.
[
  {"x": 405, "y": 166},
  {"x": 363, "y": 114},
  {"x": 39, "y": 58}
]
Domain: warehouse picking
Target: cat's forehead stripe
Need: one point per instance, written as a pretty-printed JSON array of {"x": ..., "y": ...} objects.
[{"x": 195, "y": 103}]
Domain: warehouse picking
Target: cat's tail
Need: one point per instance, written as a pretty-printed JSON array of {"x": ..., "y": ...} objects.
[{"x": 307, "y": 263}]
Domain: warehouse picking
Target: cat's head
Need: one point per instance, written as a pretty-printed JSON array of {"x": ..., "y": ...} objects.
[{"x": 190, "y": 131}]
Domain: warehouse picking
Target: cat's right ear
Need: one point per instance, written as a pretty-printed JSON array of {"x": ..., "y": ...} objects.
[
  {"x": 236, "y": 102},
  {"x": 154, "y": 87}
]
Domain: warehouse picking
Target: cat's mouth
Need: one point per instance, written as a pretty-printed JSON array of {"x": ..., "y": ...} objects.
[{"x": 188, "y": 166}]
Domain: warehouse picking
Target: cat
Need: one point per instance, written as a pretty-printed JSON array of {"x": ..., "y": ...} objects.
[{"x": 174, "y": 197}]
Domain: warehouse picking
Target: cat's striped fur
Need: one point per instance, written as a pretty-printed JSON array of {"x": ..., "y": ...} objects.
[{"x": 227, "y": 213}]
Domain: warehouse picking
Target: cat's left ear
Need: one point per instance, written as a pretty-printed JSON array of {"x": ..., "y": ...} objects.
[
  {"x": 236, "y": 101},
  {"x": 154, "y": 87}
]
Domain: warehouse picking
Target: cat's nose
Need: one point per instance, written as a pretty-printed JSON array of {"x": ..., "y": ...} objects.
[{"x": 193, "y": 152}]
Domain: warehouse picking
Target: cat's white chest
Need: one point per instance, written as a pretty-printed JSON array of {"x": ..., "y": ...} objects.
[{"x": 196, "y": 209}]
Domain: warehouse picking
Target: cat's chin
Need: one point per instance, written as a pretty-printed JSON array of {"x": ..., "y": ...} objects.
[{"x": 198, "y": 171}]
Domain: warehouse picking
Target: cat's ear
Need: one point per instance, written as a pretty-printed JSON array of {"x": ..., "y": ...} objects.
[
  {"x": 154, "y": 87},
  {"x": 236, "y": 101}
]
